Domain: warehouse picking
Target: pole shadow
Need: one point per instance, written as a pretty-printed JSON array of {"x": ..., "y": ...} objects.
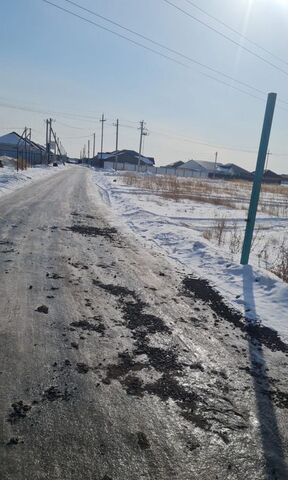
[{"x": 272, "y": 443}]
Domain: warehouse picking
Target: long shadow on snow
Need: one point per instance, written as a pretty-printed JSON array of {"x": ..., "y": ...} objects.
[{"x": 257, "y": 335}]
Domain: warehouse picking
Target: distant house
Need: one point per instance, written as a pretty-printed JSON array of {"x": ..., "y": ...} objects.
[
  {"x": 230, "y": 170},
  {"x": 175, "y": 164},
  {"x": 209, "y": 167},
  {"x": 195, "y": 168},
  {"x": 128, "y": 157},
  {"x": 13, "y": 145},
  {"x": 206, "y": 169},
  {"x": 284, "y": 179},
  {"x": 271, "y": 177}
]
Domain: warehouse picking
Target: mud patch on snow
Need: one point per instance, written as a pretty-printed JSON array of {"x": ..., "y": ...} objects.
[
  {"x": 42, "y": 309},
  {"x": 11, "y": 250},
  {"x": 116, "y": 290},
  {"x": 82, "y": 367},
  {"x": 53, "y": 393},
  {"x": 78, "y": 265},
  {"x": 14, "y": 441},
  {"x": 54, "y": 276},
  {"x": 85, "y": 325},
  {"x": 195, "y": 406},
  {"x": 19, "y": 411},
  {"x": 200, "y": 289},
  {"x": 88, "y": 231},
  {"x": 143, "y": 441},
  {"x": 126, "y": 365}
]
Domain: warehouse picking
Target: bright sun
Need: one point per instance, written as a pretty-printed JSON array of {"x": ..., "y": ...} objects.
[{"x": 282, "y": 2}]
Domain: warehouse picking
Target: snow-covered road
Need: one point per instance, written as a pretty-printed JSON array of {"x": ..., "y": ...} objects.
[{"x": 115, "y": 363}]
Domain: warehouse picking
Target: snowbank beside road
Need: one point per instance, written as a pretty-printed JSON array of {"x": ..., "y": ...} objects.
[
  {"x": 177, "y": 229},
  {"x": 11, "y": 180}
]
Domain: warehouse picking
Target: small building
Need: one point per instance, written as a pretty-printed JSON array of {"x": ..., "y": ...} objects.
[
  {"x": 124, "y": 158},
  {"x": 14, "y": 146},
  {"x": 175, "y": 164},
  {"x": 206, "y": 169},
  {"x": 284, "y": 179},
  {"x": 194, "y": 168},
  {"x": 232, "y": 171},
  {"x": 270, "y": 177}
]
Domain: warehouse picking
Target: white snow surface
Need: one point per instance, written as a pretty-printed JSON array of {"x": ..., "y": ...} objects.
[
  {"x": 11, "y": 180},
  {"x": 176, "y": 229}
]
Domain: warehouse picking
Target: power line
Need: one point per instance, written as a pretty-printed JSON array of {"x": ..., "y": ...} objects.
[
  {"x": 236, "y": 31},
  {"x": 224, "y": 36},
  {"x": 165, "y": 47},
  {"x": 206, "y": 144},
  {"x": 157, "y": 132},
  {"x": 102, "y": 120},
  {"x": 71, "y": 138},
  {"x": 190, "y": 59},
  {"x": 70, "y": 126},
  {"x": 85, "y": 118},
  {"x": 153, "y": 50}
]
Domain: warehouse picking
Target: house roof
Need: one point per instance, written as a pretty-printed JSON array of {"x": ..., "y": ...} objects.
[
  {"x": 236, "y": 169},
  {"x": 200, "y": 165},
  {"x": 192, "y": 165},
  {"x": 11, "y": 138},
  {"x": 209, "y": 166},
  {"x": 175, "y": 164},
  {"x": 271, "y": 174},
  {"x": 14, "y": 139},
  {"x": 131, "y": 154}
]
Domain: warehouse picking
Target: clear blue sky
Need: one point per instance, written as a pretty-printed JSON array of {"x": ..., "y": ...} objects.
[{"x": 53, "y": 62}]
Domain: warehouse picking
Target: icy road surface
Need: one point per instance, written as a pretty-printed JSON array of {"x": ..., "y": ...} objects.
[{"x": 114, "y": 365}]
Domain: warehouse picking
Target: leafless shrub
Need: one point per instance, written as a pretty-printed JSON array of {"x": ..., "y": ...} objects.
[
  {"x": 231, "y": 194},
  {"x": 217, "y": 231},
  {"x": 263, "y": 255},
  {"x": 257, "y": 237},
  {"x": 281, "y": 267},
  {"x": 220, "y": 230},
  {"x": 208, "y": 234},
  {"x": 235, "y": 239},
  {"x": 129, "y": 179}
]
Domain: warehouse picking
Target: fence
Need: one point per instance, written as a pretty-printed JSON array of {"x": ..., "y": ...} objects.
[{"x": 178, "y": 172}]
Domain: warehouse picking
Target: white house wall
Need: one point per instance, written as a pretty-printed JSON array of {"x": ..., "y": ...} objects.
[{"x": 131, "y": 167}]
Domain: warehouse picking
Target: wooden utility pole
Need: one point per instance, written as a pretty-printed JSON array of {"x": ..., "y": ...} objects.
[
  {"x": 94, "y": 138},
  {"x": 117, "y": 138},
  {"x": 143, "y": 132},
  {"x": 48, "y": 138},
  {"x": 102, "y": 120},
  {"x": 215, "y": 165},
  {"x": 267, "y": 160},
  {"x": 56, "y": 140},
  {"x": 25, "y": 147},
  {"x": 30, "y": 153}
]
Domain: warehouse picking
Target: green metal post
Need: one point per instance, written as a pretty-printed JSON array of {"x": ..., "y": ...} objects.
[{"x": 270, "y": 106}]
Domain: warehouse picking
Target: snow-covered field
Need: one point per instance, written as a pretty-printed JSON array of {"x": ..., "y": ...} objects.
[
  {"x": 11, "y": 180},
  {"x": 206, "y": 240}
]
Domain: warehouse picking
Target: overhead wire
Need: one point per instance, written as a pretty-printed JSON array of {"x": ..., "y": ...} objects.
[
  {"x": 155, "y": 51},
  {"x": 156, "y": 132},
  {"x": 188, "y": 14},
  {"x": 186, "y": 57},
  {"x": 161, "y": 45},
  {"x": 233, "y": 30}
]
